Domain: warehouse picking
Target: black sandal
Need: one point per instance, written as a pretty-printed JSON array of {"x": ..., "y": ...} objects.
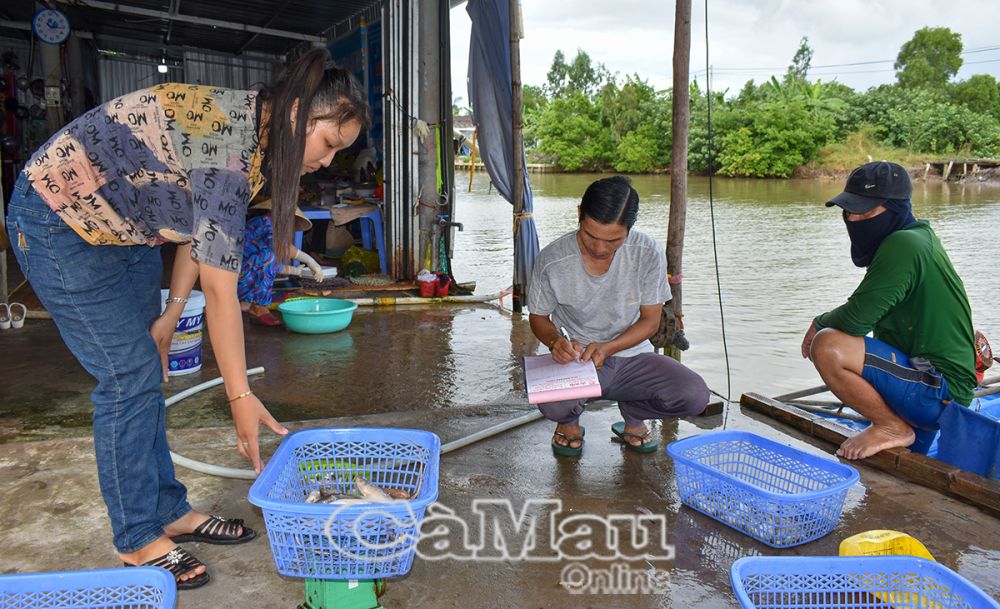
[
  {"x": 179, "y": 562},
  {"x": 219, "y": 531}
]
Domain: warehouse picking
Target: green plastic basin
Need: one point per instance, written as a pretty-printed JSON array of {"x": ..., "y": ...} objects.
[{"x": 317, "y": 315}]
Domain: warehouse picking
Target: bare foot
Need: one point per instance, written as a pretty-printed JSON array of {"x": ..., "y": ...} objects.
[
  {"x": 155, "y": 549},
  {"x": 636, "y": 435},
  {"x": 573, "y": 438},
  {"x": 875, "y": 439},
  {"x": 188, "y": 523}
]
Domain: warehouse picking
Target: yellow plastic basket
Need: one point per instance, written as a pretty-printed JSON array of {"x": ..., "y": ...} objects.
[{"x": 890, "y": 543}]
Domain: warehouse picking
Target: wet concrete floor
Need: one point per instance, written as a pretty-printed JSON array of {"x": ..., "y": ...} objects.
[{"x": 454, "y": 371}]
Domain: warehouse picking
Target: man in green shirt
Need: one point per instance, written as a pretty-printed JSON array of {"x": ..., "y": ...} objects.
[{"x": 921, "y": 356}]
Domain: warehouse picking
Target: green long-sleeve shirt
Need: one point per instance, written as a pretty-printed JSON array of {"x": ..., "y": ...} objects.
[{"x": 912, "y": 298}]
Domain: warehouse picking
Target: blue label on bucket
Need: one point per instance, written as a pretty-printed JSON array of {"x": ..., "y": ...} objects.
[
  {"x": 185, "y": 348},
  {"x": 186, "y": 324}
]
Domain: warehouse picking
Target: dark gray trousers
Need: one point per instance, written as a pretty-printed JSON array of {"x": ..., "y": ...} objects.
[{"x": 646, "y": 386}]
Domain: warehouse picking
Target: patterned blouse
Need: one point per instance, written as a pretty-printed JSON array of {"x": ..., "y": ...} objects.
[{"x": 171, "y": 163}]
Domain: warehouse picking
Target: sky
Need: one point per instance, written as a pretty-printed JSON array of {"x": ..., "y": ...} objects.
[{"x": 746, "y": 38}]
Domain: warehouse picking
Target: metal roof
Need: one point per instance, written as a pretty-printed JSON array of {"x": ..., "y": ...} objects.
[{"x": 273, "y": 27}]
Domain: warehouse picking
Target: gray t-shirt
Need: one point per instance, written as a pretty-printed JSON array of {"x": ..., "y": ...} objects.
[{"x": 599, "y": 308}]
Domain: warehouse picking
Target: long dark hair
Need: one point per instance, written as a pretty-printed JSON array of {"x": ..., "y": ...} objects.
[
  {"x": 325, "y": 92},
  {"x": 611, "y": 201}
]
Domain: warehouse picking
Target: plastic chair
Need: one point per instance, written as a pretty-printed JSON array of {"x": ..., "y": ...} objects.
[
  {"x": 371, "y": 224},
  {"x": 372, "y": 221}
]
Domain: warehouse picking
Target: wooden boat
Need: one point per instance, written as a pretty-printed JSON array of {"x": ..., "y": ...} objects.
[{"x": 834, "y": 422}]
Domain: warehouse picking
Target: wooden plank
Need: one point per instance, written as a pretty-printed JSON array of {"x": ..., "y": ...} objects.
[
  {"x": 713, "y": 408},
  {"x": 887, "y": 460},
  {"x": 977, "y": 489},
  {"x": 790, "y": 415},
  {"x": 830, "y": 431},
  {"x": 899, "y": 462},
  {"x": 947, "y": 171},
  {"x": 926, "y": 471}
]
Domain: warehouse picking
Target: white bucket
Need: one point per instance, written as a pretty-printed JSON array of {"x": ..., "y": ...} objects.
[{"x": 185, "y": 348}]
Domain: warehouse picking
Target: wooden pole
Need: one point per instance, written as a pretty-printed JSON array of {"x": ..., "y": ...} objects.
[
  {"x": 472, "y": 158},
  {"x": 517, "y": 139},
  {"x": 679, "y": 156}
]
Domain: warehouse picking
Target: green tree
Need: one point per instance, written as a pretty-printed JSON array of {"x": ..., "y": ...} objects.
[
  {"x": 638, "y": 118},
  {"x": 980, "y": 93},
  {"x": 581, "y": 76},
  {"x": 627, "y": 107},
  {"x": 801, "y": 61},
  {"x": 929, "y": 59},
  {"x": 639, "y": 151},
  {"x": 534, "y": 103},
  {"x": 571, "y": 134},
  {"x": 817, "y": 96},
  {"x": 555, "y": 80},
  {"x": 725, "y": 118},
  {"x": 926, "y": 120},
  {"x": 929, "y": 123},
  {"x": 775, "y": 138},
  {"x": 751, "y": 93}
]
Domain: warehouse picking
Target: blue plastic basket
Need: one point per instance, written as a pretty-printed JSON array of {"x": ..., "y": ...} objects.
[
  {"x": 857, "y": 582},
  {"x": 350, "y": 541},
  {"x": 774, "y": 493},
  {"x": 135, "y": 588}
]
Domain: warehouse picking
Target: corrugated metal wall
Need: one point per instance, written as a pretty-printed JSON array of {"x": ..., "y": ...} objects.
[
  {"x": 242, "y": 72},
  {"x": 121, "y": 75}
]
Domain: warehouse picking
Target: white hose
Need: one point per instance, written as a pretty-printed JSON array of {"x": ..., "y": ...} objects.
[
  {"x": 249, "y": 474},
  {"x": 203, "y": 386},
  {"x": 490, "y": 431},
  {"x": 200, "y": 466}
]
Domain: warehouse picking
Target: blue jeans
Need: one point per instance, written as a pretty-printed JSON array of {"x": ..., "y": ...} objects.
[{"x": 103, "y": 299}]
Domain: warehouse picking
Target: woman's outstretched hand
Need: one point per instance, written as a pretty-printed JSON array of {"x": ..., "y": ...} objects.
[{"x": 248, "y": 414}]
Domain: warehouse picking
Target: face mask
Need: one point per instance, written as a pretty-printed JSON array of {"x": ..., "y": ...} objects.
[{"x": 867, "y": 235}]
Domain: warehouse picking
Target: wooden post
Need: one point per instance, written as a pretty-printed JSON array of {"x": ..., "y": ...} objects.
[
  {"x": 472, "y": 158},
  {"x": 517, "y": 188},
  {"x": 679, "y": 156}
]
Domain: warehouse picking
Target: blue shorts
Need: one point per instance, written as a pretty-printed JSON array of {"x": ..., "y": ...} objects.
[{"x": 914, "y": 390}]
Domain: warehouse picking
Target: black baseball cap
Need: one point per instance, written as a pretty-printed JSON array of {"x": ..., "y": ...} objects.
[{"x": 872, "y": 185}]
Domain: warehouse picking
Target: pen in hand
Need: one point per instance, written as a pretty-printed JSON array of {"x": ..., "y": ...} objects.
[{"x": 565, "y": 335}]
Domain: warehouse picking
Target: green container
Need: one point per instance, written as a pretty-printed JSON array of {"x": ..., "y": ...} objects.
[{"x": 317, "y": 315}]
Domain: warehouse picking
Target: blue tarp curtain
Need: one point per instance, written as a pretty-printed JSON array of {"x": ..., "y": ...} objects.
[
  {"x": 970, "y": 440},
  {"x": 491, "y": 94}
]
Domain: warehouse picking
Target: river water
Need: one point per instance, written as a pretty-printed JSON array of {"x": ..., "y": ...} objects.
[{"x": 783, "y": 258}]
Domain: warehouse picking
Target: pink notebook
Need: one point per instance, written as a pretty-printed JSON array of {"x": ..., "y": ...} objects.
[{"x": 547, "y": 381}]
